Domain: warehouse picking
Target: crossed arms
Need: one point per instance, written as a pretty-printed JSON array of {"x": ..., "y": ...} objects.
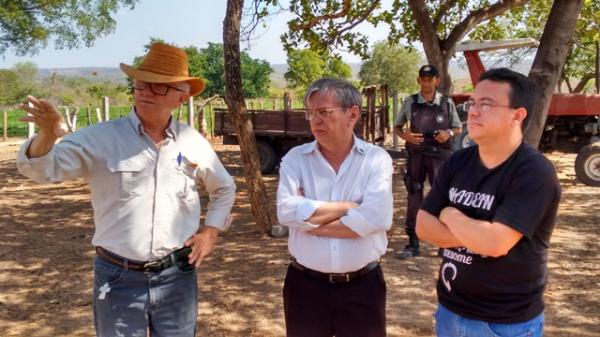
[
  {"x": 337, "y": 219},
  {"x": 454, "y": 229}
]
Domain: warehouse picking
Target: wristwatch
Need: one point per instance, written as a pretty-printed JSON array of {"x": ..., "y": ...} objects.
[{"x": 451, "y": 132}]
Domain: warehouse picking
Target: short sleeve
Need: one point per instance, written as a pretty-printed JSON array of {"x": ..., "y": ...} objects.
[
  {"x": 533, "y": 191},
  {"x": 454, "y": 119},
  {"x": 404, "y": 114}
]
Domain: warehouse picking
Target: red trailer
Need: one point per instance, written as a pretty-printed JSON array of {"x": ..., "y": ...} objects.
[{"x": 573, "y": 123}]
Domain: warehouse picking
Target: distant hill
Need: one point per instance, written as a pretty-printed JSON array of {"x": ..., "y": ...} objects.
[
  {"x": 458, "y": 71},
  {"x": 100, "y": 74}
]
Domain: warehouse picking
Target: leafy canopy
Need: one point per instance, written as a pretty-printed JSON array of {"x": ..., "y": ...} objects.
[
  {"x": 28, "y": 25},
  {"x": 393, "y": 65},
  {"x": 305, "y": 66}
]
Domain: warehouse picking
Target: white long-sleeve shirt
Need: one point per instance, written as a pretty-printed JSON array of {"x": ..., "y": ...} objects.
[
  {"x": 145, "y": 198},
  {"x": 365, "y": 177}
]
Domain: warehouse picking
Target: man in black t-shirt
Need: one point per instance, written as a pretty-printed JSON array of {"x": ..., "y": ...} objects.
[{"x": 493, "y": 208}]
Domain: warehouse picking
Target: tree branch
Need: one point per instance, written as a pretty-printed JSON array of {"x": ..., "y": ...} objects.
[
  {"x": 356, "y": 21},
  {"x": 314, "y": 21},
  {"x": 476, "y": 17},
  {"x": 442, "y": 10},
  {"x": 584, "y": 80}
]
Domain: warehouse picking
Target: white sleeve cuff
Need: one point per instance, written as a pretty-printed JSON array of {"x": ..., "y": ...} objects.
[
  {"x": 357, "y": 223},
  {"x": 307, "y": 208}
]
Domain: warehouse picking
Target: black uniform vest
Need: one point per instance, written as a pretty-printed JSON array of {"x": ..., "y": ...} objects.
[{"x": 427, "y": 119}]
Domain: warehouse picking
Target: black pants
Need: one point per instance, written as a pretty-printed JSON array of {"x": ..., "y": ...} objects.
[
  {"x": 317, "y": 308},
  {"x": 420, "y": 166}
]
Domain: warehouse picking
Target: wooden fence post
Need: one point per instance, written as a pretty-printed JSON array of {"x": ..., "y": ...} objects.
[
  {"x": 106, "y": 108},
  {"x": 190, "y": 112},
  {"x": 68, "y": 118},
  {"x": 30, "y": 125},
  {"x": 5, "y": 125},
  {"x": 98, "y": 115},
  {"x": 74, "y": 119},
  {"x": 395, "y": 106},
  {"x": 287, "y": 101}
]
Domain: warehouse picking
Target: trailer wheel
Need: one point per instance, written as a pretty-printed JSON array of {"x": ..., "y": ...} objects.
[
  {"x": 266, "y": 155},
  {"x": 587, "y": 164}
]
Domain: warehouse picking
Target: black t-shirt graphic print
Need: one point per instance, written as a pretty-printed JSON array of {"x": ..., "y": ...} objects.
[{"x": 522, "y": 193}]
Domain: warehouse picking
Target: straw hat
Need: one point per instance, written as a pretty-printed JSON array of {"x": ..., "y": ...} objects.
[{"x": 165, "y": 64}]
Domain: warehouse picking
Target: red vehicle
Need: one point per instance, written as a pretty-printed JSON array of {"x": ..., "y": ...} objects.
[{"x": 573, "y": 123}]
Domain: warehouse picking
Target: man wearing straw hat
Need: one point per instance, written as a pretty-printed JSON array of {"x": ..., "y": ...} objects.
[{"x": 143, "y": 170}]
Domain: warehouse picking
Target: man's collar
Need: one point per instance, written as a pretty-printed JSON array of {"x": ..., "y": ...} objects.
[
  {"x": 436, "y": 99},
  {"x": 358, "y": 146},
  {"x": 139, "y": 127}
]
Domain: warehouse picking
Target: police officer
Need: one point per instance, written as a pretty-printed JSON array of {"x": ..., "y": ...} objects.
[{"x": 433, "y": 121}]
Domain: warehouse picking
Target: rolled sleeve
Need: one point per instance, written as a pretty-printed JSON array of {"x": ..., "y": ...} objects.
[
  {"x": 65, "y": 160},
  {"x": 221, "y": 191},
  {"x": 375, "y": 212},
  {"x": 292, "y": 208}
]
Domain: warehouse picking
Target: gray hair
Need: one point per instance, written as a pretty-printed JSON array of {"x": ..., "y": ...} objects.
[{"x": 343, "y": 91}]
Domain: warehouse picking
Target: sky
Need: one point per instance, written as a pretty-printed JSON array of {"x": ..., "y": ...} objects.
[{"x": 182, "y": 22}]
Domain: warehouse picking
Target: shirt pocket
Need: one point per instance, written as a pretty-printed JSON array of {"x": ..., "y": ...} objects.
[
  {"x": 133, "y": 176},
  {"x": 189, "y": 171}
]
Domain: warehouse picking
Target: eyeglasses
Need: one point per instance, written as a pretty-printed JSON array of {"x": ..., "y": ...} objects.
[
  {"x": 484, "y": 106},
  {"x": 322, "y": 113},
  {"x": 160, "y": 89}
]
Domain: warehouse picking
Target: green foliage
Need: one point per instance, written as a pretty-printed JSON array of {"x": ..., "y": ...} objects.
[
  {"x": 335, "y": 67},
  {"x": 255, "y": 76},
  {"x": 28, "y": 25},
  {"x": 9, "y": 83},
  {"x": 393, "y": 65},
  {"x": 214, "y": 69},
  {"x": 306, "y": 66},
  {"x": 17, "y": 83}
]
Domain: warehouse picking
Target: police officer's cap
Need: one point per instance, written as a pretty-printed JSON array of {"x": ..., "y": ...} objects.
[{"x": 428, "y": 70}]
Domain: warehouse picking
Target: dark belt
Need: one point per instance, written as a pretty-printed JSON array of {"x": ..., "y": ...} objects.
[
  {"x": 335, "y": 277},
  {"x": 149, "y": 266}
]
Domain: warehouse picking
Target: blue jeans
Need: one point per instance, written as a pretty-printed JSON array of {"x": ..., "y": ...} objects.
[
  {"x": 130, "y": 303},
  {"x": 449, "y": 324}
]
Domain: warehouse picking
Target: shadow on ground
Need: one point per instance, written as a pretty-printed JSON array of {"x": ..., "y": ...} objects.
[{"x": 46, "y": 264}]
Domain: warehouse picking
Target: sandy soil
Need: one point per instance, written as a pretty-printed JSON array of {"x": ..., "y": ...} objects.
[{"x": 46, "y": 271}]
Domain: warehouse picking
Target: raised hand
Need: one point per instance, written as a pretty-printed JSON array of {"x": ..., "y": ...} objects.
[{"x": 45, "y": 116}]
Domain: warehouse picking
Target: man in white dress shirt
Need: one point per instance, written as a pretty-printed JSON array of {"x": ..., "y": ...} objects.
[
  {"x": 143, "y": 170},
  {"x": 335, "y": 195}
]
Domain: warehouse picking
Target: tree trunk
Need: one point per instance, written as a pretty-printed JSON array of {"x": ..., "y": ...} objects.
[
  {"x": 431, "y": 43},
  {"x": 259, "y": 198},
  {"x": 549, "y": 60},
  {"x": 597, "y": 67}
]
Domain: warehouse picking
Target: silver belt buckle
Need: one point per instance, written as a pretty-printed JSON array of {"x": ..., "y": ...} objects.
[{"x": 153, "y": 264}]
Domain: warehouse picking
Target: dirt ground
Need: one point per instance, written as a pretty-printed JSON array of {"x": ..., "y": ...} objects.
[{"x": 46, "y": 263}]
